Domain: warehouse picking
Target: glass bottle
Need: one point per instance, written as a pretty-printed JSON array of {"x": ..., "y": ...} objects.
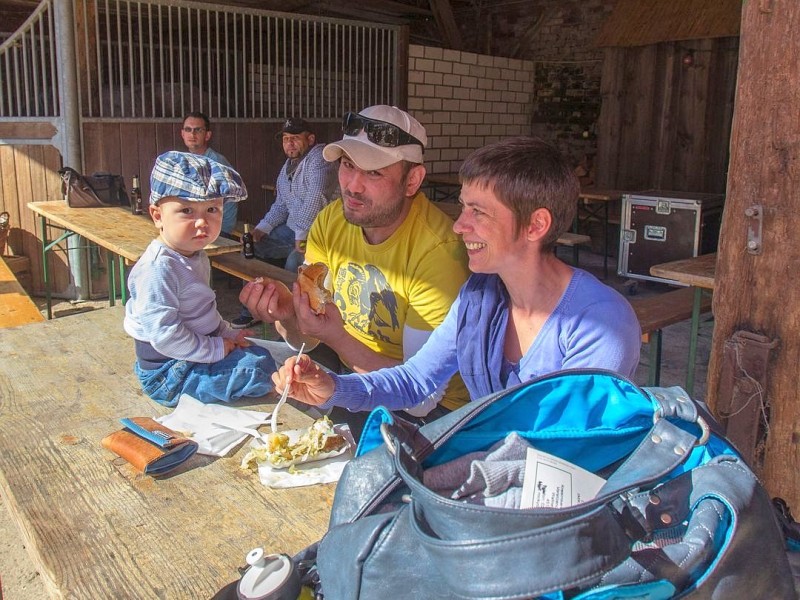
[
  {"x": 136, "y": 196},
  {"x": 248, "y": 246}
]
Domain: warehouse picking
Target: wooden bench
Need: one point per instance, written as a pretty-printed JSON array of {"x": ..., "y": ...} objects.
[
  {"x": 659, "y": 311},
  {"x": 574, "y": 241},
  {"x": 237, "y": 265},
  {"x": 16, "y": 307}
]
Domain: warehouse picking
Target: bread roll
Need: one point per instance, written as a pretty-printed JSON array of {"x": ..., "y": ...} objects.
[{"x": 312, "y": 281}]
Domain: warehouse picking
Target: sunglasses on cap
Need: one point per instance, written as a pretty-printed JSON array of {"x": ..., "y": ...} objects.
[{"x": 379, "y": 133}]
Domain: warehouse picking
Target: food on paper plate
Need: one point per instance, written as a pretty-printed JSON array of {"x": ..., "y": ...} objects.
[
  {"x": 282, "y": 450},
  {"x": 312, "y": 281}
]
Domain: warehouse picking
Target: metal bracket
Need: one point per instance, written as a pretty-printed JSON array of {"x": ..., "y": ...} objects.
[
  {"x": 629, "y": 235},
  {"x": 754, "y": 215}
]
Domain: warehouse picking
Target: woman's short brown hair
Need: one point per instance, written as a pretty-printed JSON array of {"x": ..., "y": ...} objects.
[{"x": 526, "y": 173}]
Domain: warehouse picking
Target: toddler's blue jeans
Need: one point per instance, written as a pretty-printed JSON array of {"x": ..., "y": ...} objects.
[{"x": 245, "y": 372}]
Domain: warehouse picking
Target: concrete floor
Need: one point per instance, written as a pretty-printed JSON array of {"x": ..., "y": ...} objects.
[{"x": 19, "y": 579}]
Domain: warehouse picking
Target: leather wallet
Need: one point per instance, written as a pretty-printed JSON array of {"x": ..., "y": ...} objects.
[{"x": 149, "y": 446}]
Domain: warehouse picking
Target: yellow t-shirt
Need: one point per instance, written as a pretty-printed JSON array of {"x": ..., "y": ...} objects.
[{"x": 410, "y": 279}]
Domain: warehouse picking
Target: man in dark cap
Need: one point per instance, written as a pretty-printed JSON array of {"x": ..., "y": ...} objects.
[{"x": 306, "y": 183}]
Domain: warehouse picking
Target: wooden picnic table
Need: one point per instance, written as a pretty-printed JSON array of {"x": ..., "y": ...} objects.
[
  {"x": 115, "y": 229},
  {"x": 594, "y": 203},
  {"x": 699, "y": 273},
  {"x": 94, "y": 527}
]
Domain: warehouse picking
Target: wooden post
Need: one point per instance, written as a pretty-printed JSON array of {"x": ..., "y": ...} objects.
[{"x": 759, "y": 292}]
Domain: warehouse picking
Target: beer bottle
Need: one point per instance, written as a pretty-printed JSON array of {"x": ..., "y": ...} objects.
[
  {"x": 136, "y": 196},
  {"x": 248, "y": 246}
]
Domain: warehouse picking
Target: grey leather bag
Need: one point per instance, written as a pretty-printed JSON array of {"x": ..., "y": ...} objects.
[{"x": 680, "y": 514}]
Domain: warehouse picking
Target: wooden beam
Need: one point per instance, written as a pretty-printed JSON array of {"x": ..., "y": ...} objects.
[
  {"x": 27, "y": 131},
  {"x": 382, "y": 6},
  {"x": 443, "y": 13},
  {"x": 757, "y": 292}
]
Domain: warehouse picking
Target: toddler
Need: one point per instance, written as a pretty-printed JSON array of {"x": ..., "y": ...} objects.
[{"x": 183, "y": 345}]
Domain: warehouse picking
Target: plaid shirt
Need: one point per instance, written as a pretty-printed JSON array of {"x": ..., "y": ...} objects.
[{"x": 299, "y": 196}]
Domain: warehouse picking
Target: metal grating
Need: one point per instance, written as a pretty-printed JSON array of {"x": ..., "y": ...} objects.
[
  {"x": 28, "y": 78},
  {"x": 160, "y": 60}
]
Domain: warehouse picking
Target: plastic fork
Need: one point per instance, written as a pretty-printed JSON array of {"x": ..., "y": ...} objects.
[{"x": 273, "y": 421}]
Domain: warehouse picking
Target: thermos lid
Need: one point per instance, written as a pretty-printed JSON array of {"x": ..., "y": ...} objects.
[{"x": 270, "y": 577}]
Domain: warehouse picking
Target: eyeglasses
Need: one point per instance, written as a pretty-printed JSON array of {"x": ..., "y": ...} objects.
[
  {"x": 194, "y": 129},
  {"x": 380, "y": 133}
]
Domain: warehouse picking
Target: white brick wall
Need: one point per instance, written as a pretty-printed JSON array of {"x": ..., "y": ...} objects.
[{"x": 466, "y": 101}]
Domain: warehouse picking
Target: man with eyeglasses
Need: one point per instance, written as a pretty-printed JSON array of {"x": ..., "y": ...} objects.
[
  {"x": 196, "y": 134},
  {"x": 306, "y": 183},
  {"x": 395, "y": 264}
]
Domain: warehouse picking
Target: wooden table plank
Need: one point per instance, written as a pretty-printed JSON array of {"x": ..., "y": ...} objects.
[
  {"x": 115, "y": 228},
  {"x": 95, "y": 527},
  {"x": 16, "y": 307},
  {"x": 697, "y": 271},
  {"x": 600, "y": 195}
]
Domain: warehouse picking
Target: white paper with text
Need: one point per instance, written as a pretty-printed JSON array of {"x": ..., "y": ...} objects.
[{"x": 551, "y": 482}]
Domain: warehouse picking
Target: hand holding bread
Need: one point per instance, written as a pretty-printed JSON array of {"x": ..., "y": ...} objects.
[
  {"x": 267, "y": 300},
  {"x": 311, "y": 279}
]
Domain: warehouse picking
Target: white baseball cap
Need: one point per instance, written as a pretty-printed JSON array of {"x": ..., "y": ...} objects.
[{"x": 385, "y": 135}]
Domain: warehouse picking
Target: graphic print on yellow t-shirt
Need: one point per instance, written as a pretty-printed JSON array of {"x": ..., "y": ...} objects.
[{"x": 365, "y": 287}]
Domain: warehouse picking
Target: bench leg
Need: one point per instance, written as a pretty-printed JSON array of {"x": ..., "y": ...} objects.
[
  {"x": 654, "y": 368},
  {"x": 112, "y": 278},
  {"x": 45, "y": 270},
  {"x": 123, "y": 279},
  {"x": 695, "y": 327}
]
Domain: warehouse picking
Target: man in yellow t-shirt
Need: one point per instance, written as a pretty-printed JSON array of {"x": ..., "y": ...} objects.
[{"x": 395, "y": 264}]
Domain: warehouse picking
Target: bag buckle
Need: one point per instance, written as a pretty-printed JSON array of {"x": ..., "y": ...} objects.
[
  {"x": 387, "y": 439},
  {"x": 705, "y": 430}
]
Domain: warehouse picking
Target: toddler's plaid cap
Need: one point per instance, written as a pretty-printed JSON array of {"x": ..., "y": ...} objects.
[{"x": 194, "y": 177}]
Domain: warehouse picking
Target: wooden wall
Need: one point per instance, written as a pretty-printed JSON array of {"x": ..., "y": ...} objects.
[
  {"x": 665, "y": 124},
  {"x": 29, "y": 173},
  {"x": 131, "y": 148}
]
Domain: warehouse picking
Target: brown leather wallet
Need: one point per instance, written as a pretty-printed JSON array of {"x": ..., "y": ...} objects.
[{"x": 149, "y": 446}]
